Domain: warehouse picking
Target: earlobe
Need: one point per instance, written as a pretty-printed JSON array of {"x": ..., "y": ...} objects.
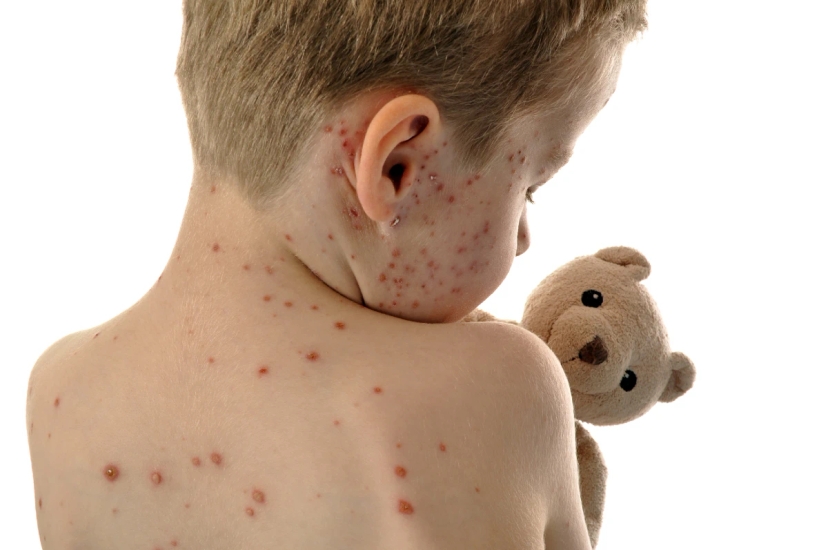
[{"x": 385, "y": 163}]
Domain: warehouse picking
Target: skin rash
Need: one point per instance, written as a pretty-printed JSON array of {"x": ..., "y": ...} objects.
[{"x": 398, "y": 230}]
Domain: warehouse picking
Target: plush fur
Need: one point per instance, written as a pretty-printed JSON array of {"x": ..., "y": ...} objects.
[{"x": 606, "y": 331}]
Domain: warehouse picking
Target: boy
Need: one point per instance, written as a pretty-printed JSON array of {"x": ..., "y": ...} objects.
[{"x": 296, "y": 378}]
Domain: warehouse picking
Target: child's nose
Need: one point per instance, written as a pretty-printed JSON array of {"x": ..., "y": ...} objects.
[{"x": 523, "y": 235}]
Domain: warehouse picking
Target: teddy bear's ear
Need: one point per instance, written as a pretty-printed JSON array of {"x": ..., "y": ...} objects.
[
  {"x": 630, "y": 258},
  {"x": 682, "y": 376}
]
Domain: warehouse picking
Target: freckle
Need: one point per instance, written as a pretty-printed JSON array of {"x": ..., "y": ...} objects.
[
  {"x": 216, "y": 458},
  {"x": 328, "y": 129},
  {"x": 353, "y": 257},
  {"x": 266, "y": 297},
  {"x": 382, "y": 277},
  {"x": 400, "y": 471},
  {"x": 312, "y": 356},
  {"x": 406, "y": 508},
  {"x": 399, "y": 445},
  {"x": 263, "y": 371},
  {"x": 258, "y": 496},
  {"x": 115, "y": 338},
  {"x": 477, "y": 489},
  {"x": 314, "y": 307},
  {"x": 57, "y": 401},
  {"x": 40, "y": 503},
  {"x": 288, "y": 304},
  {"x": 186, "y": 505},
  {"x": 215, "y": 247},
  {"x": 442, "y": 447},
  {"x": 318, "y": 495},
  {"x": 246, "y": 267},
  {"x": 114, "y": 511},
  {"x": 288, "y": 237},
  {"x": 156, "y": 478},
  {"x": 340, "y": 325},
  {"x": 49, "y": 436},
  {"x": 377, "y": 389},
  {"x": 111, "y": 472},
  {"x": 196, "y": 461},
  {"x": 211, "y": 360}
]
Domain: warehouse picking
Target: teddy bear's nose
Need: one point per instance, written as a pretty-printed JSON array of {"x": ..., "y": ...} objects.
[{"x": 594, "y": 353}]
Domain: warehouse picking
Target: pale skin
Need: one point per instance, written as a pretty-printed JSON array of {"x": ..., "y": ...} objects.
[{"x": 379, "y": 229}]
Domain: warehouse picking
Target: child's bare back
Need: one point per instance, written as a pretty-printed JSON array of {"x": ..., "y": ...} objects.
[
  {"x": 296, "y": 377},
  {"x": 326, "y": 427}
]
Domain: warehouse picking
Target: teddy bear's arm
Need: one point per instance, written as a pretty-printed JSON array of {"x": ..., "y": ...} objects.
[{"x": 592, "y": 479}]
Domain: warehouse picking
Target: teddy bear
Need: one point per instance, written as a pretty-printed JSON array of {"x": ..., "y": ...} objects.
[{"x": 605, "y": 330}]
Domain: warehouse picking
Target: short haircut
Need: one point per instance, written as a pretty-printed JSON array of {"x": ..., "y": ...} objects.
[{"x": 259, "y": 78}]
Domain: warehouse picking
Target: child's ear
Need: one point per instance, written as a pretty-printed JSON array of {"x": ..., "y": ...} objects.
[{"x": 389, "y": 158}]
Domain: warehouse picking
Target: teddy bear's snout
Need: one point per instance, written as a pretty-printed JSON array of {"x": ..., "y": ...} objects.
[{"x": 594, "y": 352}]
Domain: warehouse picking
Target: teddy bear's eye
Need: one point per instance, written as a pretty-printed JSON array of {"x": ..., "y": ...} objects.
[
  {"x": 629, "y": 380},
  {"x": 592, "y": 298}
]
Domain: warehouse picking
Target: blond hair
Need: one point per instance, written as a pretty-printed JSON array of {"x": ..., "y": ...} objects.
[{"x": 258, "y": 78}]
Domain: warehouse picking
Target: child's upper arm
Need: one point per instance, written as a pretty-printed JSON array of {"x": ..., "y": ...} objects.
[{"x": 549, "y": 404}]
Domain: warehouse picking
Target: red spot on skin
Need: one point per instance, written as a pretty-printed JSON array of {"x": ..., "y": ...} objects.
[
  {"x": 477, "y": 176},
  {"x": 451, "y": 198},
  {"x": 511, "y": 157},
  {"x": 445, "y": 143},
  {"x": 328, "y": 129},
  {"x": 336, "y": 422},
  {"x": 57, "y": 401},
  {"x": 288, "y": 237},
  {"x": 343, "y": 131},
  {"x": 288, "y": 304},
  {"x": 330, "y": 237},
  {"x": 377, "y": 389},
  {"x": 249, "y": 511},
  {"x": 216, "y": 247},
  {"x": 216, "y": 458},
  {"x": 196, "y": 461},
  {"x": 400, "y": 471},
  {"x": 399, "y": 445},
  {"x": 442, "y": 447},
  {"x": 312, "y": 356},
  {"x": 382, "y": 277},
  {"x": 406, "y": 508},
  {"x": 258, "y": 496},
  {"x": 263, "y": 371},
  {"x": 111, "y": 472},
  {"x": 440, "y": 187},
  {"x": 173, "y": 542},
  {"x": 461, "y": 249},
  {"x": 345, "y": 144},
  {"x": 340, "y": 325},
  {"x": 477, "y": 489},
  {"x": 156, "y": 478},
  {"x": 353, "y": 212},
  {"x": 486, "y": 227},
  {"x": 392, "y": 265},
  {"x": 269, "y": 270},
  {"x": 211, "y": 360},
  {"x": 115, "y": 338},
  {"x": 314, "y": 307},
  {"x": 246, "y": 267},
  {"x": 213, "y": 189},
  {"x": 415, "y": 304},
  {"x": 266, "y": 297},
  {"x": 395, "y": 252},
  {"x": 186, "y": 505},
  {"x": 40, "y": 503}
]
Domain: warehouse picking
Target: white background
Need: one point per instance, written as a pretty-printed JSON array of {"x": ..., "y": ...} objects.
[{"x": 710, "y": 159}]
